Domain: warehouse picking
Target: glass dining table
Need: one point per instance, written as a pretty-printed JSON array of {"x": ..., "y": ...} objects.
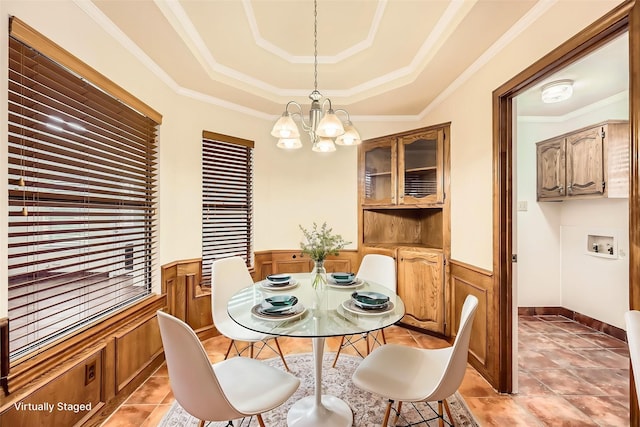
[{"x": 317, "y": 315}]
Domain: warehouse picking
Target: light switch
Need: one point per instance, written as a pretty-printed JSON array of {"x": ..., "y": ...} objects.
[{"x": 522, "y": 205}]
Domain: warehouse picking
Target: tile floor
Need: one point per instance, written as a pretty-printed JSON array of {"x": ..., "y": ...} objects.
[{"x": 570, "y": 375}]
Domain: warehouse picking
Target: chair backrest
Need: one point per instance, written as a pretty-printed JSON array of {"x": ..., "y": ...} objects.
[
  {"x": 193, "y": 380},
  {"x": 380, "y": 269},
  {"x": 457, "y": 365},
  {"x": 228, "y": 275},
  {"x": 632, "y": 319}
]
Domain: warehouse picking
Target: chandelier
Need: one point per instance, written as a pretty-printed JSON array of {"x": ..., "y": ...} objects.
[{"x": 324, "y": 127}]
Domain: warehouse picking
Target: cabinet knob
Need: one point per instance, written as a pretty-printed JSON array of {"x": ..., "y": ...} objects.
[
  {"x": 569, "y": 188},
  {"x": 560, "y": 189}
]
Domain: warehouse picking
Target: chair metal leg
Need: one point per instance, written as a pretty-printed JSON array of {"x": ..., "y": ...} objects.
[
  {"x": 260, "y": 421},
  {"x": 228, "y": 350},
  {"x": 384, "y": 339},
  {"x": 440, "y": 416},
  {"x": 284, "y": 362},
  {"x": 395, "y": 420},
  {"x": 386, "y": 413},
  {"x": 446, "y": 407},
  {"x": 366, "y": 338},
  {"x": 338, "y": 352},
  {"x": 251, "y": 351}
]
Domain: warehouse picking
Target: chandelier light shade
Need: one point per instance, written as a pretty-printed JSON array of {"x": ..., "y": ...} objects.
[
  {"x": 324, "y": 127},
  {"x": 289, "y": 143},
  {"x": 285, "y": 127},
  {"x": 324, "y": 145},
  {"x": 557, "y": 91}
]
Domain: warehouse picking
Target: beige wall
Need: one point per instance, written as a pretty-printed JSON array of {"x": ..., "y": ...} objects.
[
  {"x": 469, "y": 109},
  {"x": 298, "y": 187}
]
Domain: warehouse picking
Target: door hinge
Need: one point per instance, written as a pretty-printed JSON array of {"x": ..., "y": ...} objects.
[
  {"x": 603, "y": 184},
  {"x": 602, "y": 132},
  {"x": 514, "y": 257}
]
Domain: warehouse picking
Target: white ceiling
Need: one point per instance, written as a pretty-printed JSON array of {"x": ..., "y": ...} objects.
[
  {"x": 601, "y": 76},
  {"x": 386, "y": 58}
]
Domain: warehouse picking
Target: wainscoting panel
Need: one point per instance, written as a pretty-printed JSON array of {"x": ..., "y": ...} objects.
[
  {"x": 67, "y": 400},
  {"x": 470, "y": 280},
  {"x": 187, "y": 299},
  {"x": 87, "y": 375},
  {"x": 135, "y": 349}
]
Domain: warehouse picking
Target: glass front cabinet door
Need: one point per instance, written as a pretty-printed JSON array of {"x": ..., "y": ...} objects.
[
  {"x": 378, "y": 176},
  {"x": 420, "y": 164}
]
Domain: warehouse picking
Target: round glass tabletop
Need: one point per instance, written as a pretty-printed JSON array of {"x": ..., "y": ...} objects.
[{"x": 325, "y": 313}]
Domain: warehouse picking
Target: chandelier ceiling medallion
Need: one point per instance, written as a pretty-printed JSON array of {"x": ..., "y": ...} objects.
[{"x": 324, "y": 127}]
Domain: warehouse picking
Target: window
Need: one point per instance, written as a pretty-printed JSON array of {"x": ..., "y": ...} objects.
[
  {"x": 227, "y": 199},
  {"x": 82, "y": 176}
]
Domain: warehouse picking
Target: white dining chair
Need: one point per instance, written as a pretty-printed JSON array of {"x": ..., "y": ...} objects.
[
  {"x": 409, "y": 374},
  {"x": 379, "y": 269},
  {"x": 632, "y": 320},
  {"x": 229, "y": 275},
  {"x": 235, "y": 388}
]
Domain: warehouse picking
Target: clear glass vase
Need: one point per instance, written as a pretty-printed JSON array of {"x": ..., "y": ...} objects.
[
  {"x": 318, "y": 283},
  {"x": 319, "y": 276}
]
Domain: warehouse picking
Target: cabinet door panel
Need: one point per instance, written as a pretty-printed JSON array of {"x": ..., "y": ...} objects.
[
  {"x": 551, "y": 171},
  {"x": 585, "y": 166},
  {"x": 420, "y": 285},
  {"x": 420, "y": 166},
  {"x": 378, "y": 173},
  {"x": 290, "y": 262},
  {"x": 337, "y": 265}
]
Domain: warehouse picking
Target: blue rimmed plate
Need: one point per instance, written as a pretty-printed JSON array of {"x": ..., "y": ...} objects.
[{"x": 370, "y": 300}]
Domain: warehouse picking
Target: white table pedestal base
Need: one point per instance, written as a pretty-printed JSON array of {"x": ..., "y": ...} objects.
[
  {"x": 332, "y": 412},
  {"x": 319, "y": 410}
]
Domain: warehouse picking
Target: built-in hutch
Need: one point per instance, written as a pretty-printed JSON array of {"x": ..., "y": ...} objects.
[
  {"x": 403, "y": 184},
  {"x": 586, "y": 163}
]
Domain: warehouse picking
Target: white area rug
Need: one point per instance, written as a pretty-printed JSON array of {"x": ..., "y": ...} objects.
[{"x": 368, "y": 409}]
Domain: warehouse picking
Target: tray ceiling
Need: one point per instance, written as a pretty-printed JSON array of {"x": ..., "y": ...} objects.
[{"x": 376, "y": 58}]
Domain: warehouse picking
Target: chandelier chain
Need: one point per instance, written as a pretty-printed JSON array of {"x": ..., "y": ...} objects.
[{"x": 315, "y": 44}]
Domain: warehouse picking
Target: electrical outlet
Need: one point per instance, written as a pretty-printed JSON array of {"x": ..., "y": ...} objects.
[{"x": 89, "y": 372}]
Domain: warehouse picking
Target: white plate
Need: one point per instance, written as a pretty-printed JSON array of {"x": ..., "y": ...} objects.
[
  {"x": 270, "y": 286},
  {"x": 299, "y": 311},
  {"x": 357, "y": 282},
  {"x": 350, "y": 306}
]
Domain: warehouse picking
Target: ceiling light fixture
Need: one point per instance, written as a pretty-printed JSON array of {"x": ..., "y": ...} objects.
[
  {"x": 557, "y": 91},
  {"x": 325, "y": 128}
]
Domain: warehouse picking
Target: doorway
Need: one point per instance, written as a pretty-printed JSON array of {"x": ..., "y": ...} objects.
[
  {"x": 561, "y": 271},
  {"x": 608, "y": 28}
]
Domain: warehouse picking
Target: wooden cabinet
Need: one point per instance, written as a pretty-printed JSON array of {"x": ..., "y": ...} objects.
[
  {"x": 421, "y": 287},
  {"x": 289, "y": 261},
  {"x": 404, "y": 169},
  {"x": 403, "y": 213},
  {"x": 590, "y": 162}
]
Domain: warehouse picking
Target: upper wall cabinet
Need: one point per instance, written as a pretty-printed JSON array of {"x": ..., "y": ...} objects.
[
  {"x": 405, "y": 169},
  {"x": 590, "y": 162}
]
